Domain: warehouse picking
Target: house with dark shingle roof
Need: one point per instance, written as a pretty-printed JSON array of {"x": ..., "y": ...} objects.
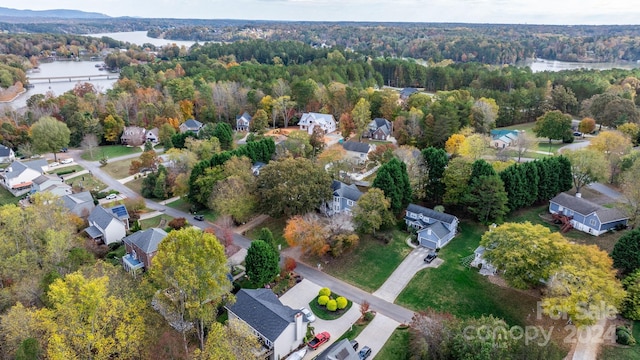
[
  {"x": 108, "y": 225},
  {"x": 191, "y": 125},
  {"x": 344, "y": 198},
  {"x": 378, "y": 129},
  {"x": 357, "y": 151},
  {"x": 587, "y": 216},
  {"x": 141, "y": 247},
  {"x": 339, "y": 350},
  {"x": 133, "y": 136},
  {"x": 80, "y": 204},
  {"x": 243, "y": 121},
  {"x": 435, "y": 229},
  {"x": 52, "y": 184},
  {"x": 18, "y": 177},
  {"x": 6, "y": 154},
  {"x": 280, "y": 328}
]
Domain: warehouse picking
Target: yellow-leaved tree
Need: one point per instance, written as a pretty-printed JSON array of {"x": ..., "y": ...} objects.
[{"x": 307, "y": 232}]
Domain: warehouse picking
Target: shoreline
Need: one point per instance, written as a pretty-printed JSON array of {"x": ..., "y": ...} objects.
[{"x": 13, "y": 98}]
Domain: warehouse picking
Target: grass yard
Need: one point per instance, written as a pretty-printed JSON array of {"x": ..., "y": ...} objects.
[
  {"x": 155, "y": 221},
  {"x": 461, "y": 291},
  {"x": 354, "y": 331},
  {"x": 553, "y": 148},
  {"x": 620, "y": 352},
  {"x": 7, "y": 198},
  {"x": 181, "y": 204},
  {"x": 110, "y": 151},
  {"x": 85, "y": 182},
  {"x": 118, "y": 169},
  {"x": 66, "y": 169},
  {"x": 397, "y": 347},
  {"x": 135, "y": 185},
  {"x": 528, "y": 127},
  {"x": 371, "y": 262},
  {"x": 277, "y": 229}
]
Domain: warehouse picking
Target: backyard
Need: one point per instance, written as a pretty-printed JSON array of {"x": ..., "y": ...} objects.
[
  {"x": 109, "y": 151},
  {"x": 155, "y": 221},
  {"x": 7, "y": 198},
  {"x": 85, "y": 182},
  {"x": 620, "y": 352}
]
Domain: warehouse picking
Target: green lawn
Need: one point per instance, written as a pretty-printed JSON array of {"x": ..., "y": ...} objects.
[
  {"x": 397, "y": 347},
  {"x": 462, "y": 291},
  {"x": 155, "y": 221},
  {"x": 181, "y": 204},
  {"x": 277, "y": 229},
  {"x": 354, "y": 331},
  {"x": 110, "y": 151},
  {"x": 85, "y": 182},
  {"x": 135, "y": 185},
  {"x": 321, "y": 312},
  {"x": 371, "y": 262},
  {"x": 66, "y": 169},
  {"x": 118, "y": 169},
  {"x": 528, "y": 127},
  {"x": 619, "y": 352},
  {"x": 7, "y": 198}
]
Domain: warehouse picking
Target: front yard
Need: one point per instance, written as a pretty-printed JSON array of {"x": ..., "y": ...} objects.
[
  {"x": 620, "y": 352},
  {"x": 117, "y": 169},
  {"x": 370, "y": 264},
  {"x": 277, "y": 229}
]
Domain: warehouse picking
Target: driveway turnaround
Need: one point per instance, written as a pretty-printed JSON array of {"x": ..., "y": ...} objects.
[
  {"x": 300, "y": 296},
  {"x": 413, "y": 263},
  {"x": 376, "y": 334}
]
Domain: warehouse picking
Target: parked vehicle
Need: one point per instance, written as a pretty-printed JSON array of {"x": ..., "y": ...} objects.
[
  {"x": 54, "y": 164},
  {"x": 430, "y": 257},
  {"x": 199, "y": 217},
  {"x": 577, "y": 133},
  {"x": 318, "y": 340},
  {"x": 364, "y": 353},
  {"x": 355, "y": 344},
  {"x": 308, "y": 314},
  {"x": 111, "y": 197},
  {"x": 66, "y": 161}
]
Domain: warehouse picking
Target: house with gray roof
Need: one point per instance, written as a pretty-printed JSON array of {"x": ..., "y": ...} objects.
[
  {"x": 344, "y": 198},
  {"x": 280, "y": 328},
  {"x": 339, "y": 350},
  {"x": 80, "y": 204},
  {"x": 378, "y": 129},
  {"x": 587, "y": 216},
  {"x": 18, "y": 177},
  {"x": 108, "y": 225},
  {"x": 153, "y": 135},
  {"x": 243, "y": 121},
  {"x": 357, "y": 152},
  {"x": 52, "y": 184},
  {"x": 6, "y": 154},
  {"x": 501, "y": 139},
  {"x": 192, "y": 125},
  {"x": 326, "y": 122},
  {"x": 133, "y": 136},
  {"x": 141, "y": 247},
  {"x": 435, "y": 229}
]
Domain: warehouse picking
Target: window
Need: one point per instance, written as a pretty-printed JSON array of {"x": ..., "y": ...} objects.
[
  {"x": 592, "y": 222},
  {"x": 350, "y": 202}
]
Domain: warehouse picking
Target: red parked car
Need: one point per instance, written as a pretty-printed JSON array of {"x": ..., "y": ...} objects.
[{"x": 318, "y": 340}]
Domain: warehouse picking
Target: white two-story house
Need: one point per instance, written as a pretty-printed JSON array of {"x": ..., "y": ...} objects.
[
  {"x": 326, "y": 122},
  {"x": 108, "y": 225}
]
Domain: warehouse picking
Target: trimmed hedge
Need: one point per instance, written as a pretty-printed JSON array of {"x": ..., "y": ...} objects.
[
  {"x": 324, "y": 292},
  {"x": 332, "y": 305},
  {"x": 341, "y": 302},
  {"x": 323, "y": 300}
]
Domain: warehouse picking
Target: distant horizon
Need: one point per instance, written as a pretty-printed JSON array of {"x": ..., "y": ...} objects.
[{"x": 477, "y": 12}]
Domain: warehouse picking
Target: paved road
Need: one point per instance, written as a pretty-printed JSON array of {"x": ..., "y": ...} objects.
[
  {"x": 393, "y": 311},
  {"x": 607, "y": 191}
]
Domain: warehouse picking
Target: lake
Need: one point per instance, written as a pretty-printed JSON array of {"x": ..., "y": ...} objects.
[
  {"x": 140, "y": 38},
  {"x": 539, "y": 65}
]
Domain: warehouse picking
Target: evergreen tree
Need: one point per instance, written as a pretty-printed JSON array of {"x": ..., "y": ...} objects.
[
  {"x": 436, "y": 161},
  {"x": 261, "y": 262},
  {"x": 487, "y": 199},
  {"x": 224, "y": 133},
  {"x": 393, "y": 180}
]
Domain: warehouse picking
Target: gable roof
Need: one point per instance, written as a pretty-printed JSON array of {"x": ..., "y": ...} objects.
[
  {"x": 101, "y": 216},
  {"x": 341, "y": 189},
  {"x": 432, "y": 214},
  {"x": 437, "y": 228},
  {"x": 318, "y": 118},
  {"x": 120, "y": 212},
  {"x": 356, "y": 147},
  {"x": 5, "y": 151},
  {"x": 382, "y": 124},
  {"x": 18, "y": 167},
  {"x": 406, "y": 92},
  {"x": 245, "y": 117},
  {"x": 146, "y": 240},
  {"x": 586, "y": 207},
  {"x": 261, "y": 309},
  {"x": 44, "y": 178},
  {"x": 72, "y": 200}
]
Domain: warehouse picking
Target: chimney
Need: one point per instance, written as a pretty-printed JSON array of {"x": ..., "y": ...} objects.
[
  {"x": 429, "y": 231},
  {"x": 579, "y": 195},
  {"x": 300, "y": 331}
]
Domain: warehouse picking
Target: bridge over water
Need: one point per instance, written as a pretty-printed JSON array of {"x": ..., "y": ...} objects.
[{"x": 51, "y": 79}]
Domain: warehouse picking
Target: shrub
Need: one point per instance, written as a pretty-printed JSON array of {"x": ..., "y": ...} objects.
[
  {"x": 368, "y": 316},
  {"x": 624, "y": 337},
  {"x": 325, "y": 292},
  {"x": 342, "y": 302},
  {"x": 323, "y": 300},
  {"x": 177, "y": 223},
  {"x": 289, "y": 264},
  {"x": 332, "y": 305}
]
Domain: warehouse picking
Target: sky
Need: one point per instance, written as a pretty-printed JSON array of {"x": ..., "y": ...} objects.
[{"x": 561, "y": 12}]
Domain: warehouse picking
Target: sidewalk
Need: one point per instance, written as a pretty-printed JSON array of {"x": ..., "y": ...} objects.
[{"x": 251, "y": 224}]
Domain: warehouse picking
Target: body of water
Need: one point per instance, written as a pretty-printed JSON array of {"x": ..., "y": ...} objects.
[
  {"x": 539, "y": 65},
  {"x": 58, "y": 87},
  {"x": 140, "y": 38}
]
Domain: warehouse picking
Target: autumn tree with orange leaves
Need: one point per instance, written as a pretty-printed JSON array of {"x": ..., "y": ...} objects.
[{"x": 309, "y": 233}]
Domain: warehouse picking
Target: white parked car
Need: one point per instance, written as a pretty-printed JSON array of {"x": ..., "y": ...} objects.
[
  {"x": 54, "y": 164},
  {"x": 111, "y": 197},
  {"x": 66, "y": 161},
  {"x": 308, "y": 314}
]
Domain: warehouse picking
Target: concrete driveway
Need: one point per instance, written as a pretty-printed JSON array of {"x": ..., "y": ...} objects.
[
  {"x": 376, "y": 334},
  {"x": 413, "y": 263},
  {"x": 300, "y": 296}
]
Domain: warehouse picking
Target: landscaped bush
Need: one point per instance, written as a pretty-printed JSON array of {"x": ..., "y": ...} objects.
[
  {"x": 369, "y": 315},
  {"x": 332, "y": 305},
  {"x": 624, "y": 336},
  {"x": 323, "y": 300},
  {"x": 342, "y": 302},
  {"x": 325, "y": 292},
  {"x": 177, "y": 223},
  {"x": 65, "y": 172}
]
